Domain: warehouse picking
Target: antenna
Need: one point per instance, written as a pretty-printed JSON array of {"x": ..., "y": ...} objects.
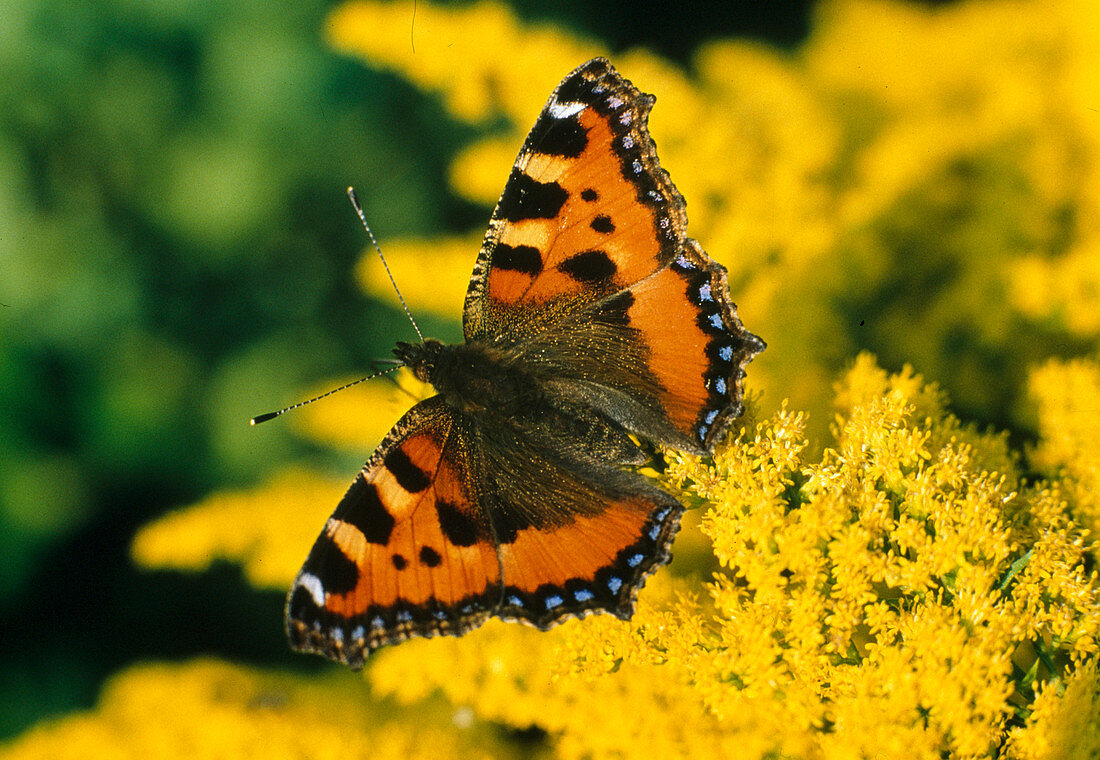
[
  {"x": 363, "y": 219},
  {"x": 272, "y": 415}
]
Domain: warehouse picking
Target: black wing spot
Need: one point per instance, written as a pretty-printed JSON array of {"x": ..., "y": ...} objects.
[
  {"x": 614, "y": 310},
  {"x": 520, "y": 258},
  {"x": 526, "y": 198},
  {"x": 408, "y": 475},
  {"x": 589, "y": 267},
  {"x": 559, "y": 137},
  {"x": 574, "y": 89},
  {"x": 362, "y": 508},
  {"x": 399, "y": 562},
  {"x": 430, "y": 557},
  {"x": 590, "y": 195},
  {"x": 603, "y": 223},
  {"x": 458, "y": 528},
  {"x": 301, "y": 605},
  {"x": 337, "y": 572}
]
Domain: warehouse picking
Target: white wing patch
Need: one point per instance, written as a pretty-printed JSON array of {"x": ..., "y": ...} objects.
[
  {"x": 312, "y": 584},
  {"x": 565, "y": 110}
]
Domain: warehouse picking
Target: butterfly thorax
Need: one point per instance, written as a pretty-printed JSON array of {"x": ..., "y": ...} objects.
[{"x": 472, "y": 378}]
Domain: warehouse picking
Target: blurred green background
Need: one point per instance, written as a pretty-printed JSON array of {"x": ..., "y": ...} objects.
[{"x": 175, "y": 256}]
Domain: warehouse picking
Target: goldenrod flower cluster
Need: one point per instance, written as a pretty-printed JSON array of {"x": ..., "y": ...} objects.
[
  {"x": 208, "y": 709},
  {"x": 1068, "y": 399},
  {"x": 904, "y": 594}
]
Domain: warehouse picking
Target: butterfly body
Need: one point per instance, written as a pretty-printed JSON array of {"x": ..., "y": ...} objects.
[
  {"x": 505, "y": 403},
  {"x": 591, "y": 320}
]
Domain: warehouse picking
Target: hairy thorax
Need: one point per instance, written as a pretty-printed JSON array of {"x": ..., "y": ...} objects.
[{"x": 472, "y": 378}]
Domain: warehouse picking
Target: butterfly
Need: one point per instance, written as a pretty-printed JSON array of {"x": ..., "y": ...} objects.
[{"x": 591, "y": 322}]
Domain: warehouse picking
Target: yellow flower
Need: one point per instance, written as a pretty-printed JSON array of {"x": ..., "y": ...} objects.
[
  {"x": 1067, "y": 395},
  {"x": 449, "y": 260},
  {"x": 359, "y": 417},
  {"x": 267, "y": 531},
  {"x": 208, "y": 709},
  {"x": 429, "y": 43},
  {"x": 1063, "y": 725},
  {"x": 1064, "y": 289}
]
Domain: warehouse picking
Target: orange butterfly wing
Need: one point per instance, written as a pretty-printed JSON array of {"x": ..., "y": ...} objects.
[
  {"x": 447, "y": 525},
  {"x": 576, "y": 531},
  {"x": 586, "y": 269},
  {"x": 407, "y": 551},
  {"x": 591, "y": 563},
  {"x": 664, "y": 358},
  {"x": 586, "y": 211}
]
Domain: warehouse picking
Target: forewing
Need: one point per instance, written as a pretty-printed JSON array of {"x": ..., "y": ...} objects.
[
  {"x": 586, "y": 211},
  {"x": 406, "y": 553}
]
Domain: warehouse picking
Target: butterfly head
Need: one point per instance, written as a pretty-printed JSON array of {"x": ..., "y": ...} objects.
[{"x": 421, "y": 358}]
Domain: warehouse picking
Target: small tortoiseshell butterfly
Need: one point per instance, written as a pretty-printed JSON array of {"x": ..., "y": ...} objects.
[{"x": 590, "y": 317}]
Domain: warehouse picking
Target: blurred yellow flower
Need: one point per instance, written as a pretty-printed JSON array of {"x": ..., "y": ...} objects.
[
  {"x": 853, "y": 173},
  {"x": 267, "y": 531},
  {"x": 1063, "y": 725},
  {"x": 208, "y": 709},
  {"x": 429, "y": 44},
  {"x": 450, "y": 262},
  {"x": 359, "y": 417},
  {"x": 1064, "y": 289}
]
